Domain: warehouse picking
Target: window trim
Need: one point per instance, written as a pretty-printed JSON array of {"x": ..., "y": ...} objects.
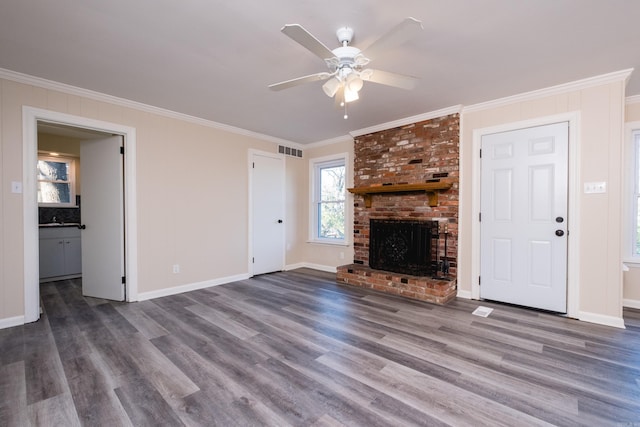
[
  {"x": 72, "y": 180},
  {"x": 315, "y": 164},
  {"x": 630, "y": 239}
]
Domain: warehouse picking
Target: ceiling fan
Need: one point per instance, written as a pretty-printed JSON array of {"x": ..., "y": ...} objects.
[{"x": 347, "y": 72}]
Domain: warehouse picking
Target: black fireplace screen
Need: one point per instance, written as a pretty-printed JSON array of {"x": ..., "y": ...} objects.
[{"x": 403, "y": 246}]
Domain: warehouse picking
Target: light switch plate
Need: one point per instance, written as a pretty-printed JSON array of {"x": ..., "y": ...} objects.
[{"x": 595, "y": 187}]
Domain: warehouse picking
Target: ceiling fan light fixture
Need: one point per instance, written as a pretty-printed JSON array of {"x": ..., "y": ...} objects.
[
  {"x": 331, "y": 86},
  {"x": 350, "y": 95},
  {"x": 346, "y": 63},
  {"x": 354, "y": 82}
]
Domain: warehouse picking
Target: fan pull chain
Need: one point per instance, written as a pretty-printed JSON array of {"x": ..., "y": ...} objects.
[{"x": 344, "y": 103}]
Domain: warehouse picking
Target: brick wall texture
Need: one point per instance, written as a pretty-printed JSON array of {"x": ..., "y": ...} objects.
[{"x": 407, "y": 155}]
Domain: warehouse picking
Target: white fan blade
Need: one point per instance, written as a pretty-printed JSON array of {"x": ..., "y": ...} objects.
[
  {"x": 390, "y": 79},
  {"x": 300, "y": 80},
  {"x": 399, "y": 34},
  {"x": 304, "y": 38}
]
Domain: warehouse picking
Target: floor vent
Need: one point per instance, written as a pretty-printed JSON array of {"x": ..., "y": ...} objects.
[{"x": 294, "y": 152}]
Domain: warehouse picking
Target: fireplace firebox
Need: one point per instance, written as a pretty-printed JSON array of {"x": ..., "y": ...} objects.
[{"x": 403, "y": 246}]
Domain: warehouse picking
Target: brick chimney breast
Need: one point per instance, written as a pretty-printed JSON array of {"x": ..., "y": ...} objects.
[{"x": 417, "y": 153}]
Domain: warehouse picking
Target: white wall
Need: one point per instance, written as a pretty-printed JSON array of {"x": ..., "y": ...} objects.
[{"x": 192, "y": 184}]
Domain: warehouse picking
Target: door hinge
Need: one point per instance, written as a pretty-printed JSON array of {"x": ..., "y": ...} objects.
[
  {"x": 254, "y": 165},
  {"x": 124, "y": 280},
  {"x": 253, "y": 260},
  {"x": 479, "y": 280},
  {"x": 121, "y": 150},
  {"x": 481, "y": 153},
  {"x": 480, "y": 216}
]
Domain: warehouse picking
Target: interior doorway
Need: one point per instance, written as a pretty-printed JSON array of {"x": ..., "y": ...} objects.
[
  {"x": 267, "y": 212},
  {"x": 31, "y": 118}
]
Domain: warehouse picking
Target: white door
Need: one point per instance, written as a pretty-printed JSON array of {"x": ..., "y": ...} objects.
[
  {"x": 267, "y": 213},
  {"x": 523, "y": 226},
  {"x": 102, "y": 212}
]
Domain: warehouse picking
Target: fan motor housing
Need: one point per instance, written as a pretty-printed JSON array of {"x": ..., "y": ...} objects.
[{"x": 345, "y": 34}]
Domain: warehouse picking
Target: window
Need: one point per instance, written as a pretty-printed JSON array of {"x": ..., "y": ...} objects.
[
  {"x": 635, "y": 250},
  {"x": 328, "y": 182},
  {"x": 56, "y": 184}
]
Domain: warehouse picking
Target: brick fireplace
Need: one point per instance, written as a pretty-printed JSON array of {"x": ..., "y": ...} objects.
[{"x": 408, "y": 174}]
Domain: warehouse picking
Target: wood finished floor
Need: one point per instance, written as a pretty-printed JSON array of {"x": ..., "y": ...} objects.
[{"x": 295, "y": 348}]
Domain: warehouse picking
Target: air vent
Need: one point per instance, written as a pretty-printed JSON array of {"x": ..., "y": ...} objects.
[{"x": 293, "y": 152}]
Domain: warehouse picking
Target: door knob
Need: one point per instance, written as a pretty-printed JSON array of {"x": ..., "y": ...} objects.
[
  {"x": 559, "y": 219},
  {"x": 279, "y": 221},
  {"x": 559, "y": 233}
]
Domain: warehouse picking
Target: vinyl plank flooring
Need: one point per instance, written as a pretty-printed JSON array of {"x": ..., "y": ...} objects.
[
  {"x": 43, "y": 372},
  {"x": 13, "y": 390},
  {"x": 151, "y": 364},
  {"x": 230, "y": 325},
  {"x": 11, "y": 345},
  {"x": 54, "y": 411},
  {"x": 296, "y": 348},
  {"x": 144, "y": 404},
  {"x": 93, "y": 392},
  {"x": 490, "y": 376},
  {"x": 221, "y": 400},
  {"x": 143, "y": 323}
]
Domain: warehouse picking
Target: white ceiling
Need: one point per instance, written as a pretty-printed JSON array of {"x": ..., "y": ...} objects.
[{"x": 214, "y": 59}]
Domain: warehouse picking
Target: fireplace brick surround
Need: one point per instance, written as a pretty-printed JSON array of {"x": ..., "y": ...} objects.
[{"x": 416, "y": 153}]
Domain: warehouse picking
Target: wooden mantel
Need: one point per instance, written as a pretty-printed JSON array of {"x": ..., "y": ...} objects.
[{"x": 431, "y": 188}]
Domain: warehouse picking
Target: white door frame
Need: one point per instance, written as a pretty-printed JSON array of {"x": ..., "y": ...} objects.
[
  {"x": 30, "y": 118},
  {"x": 252, "y": 153},
  {"x": 573, "y": 223}
]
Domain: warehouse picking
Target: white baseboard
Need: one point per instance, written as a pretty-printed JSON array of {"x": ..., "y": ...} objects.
[
  {"x": 616, "y": 322},
  {"x": 142, "y": 296},
  {"x": 319, "y": 267},
  {"x": 464, "y": 294},
  {"x": 10, "y": 322},
  {"x": 631, "y": 303}
]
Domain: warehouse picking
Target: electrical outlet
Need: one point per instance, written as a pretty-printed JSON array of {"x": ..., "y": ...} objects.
[{"x": 176, "y": 268}]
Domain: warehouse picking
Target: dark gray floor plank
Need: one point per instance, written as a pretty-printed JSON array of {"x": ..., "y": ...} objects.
[
  {"x": 13, "y": 392},
  {"x": 144, "y": 405},
  {"x": 55, "y": 411},
  {"x": 93, "y": 392}
]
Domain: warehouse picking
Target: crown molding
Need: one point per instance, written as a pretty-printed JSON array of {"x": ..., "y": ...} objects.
[
  {"x": 407, "y": 121},
  {"x": 616, "y": 76},
  {"x": 635, "y": 99},
  {"x": 122, "y": 102}
]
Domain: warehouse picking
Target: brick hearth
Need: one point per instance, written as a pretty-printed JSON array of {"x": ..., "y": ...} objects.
[
  {"x": 416, "y": 153},
  {"x": 422, "y": 288}
]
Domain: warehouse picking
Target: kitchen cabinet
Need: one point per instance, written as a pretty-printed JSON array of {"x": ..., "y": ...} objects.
[{"x": 60, "y": 252}]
